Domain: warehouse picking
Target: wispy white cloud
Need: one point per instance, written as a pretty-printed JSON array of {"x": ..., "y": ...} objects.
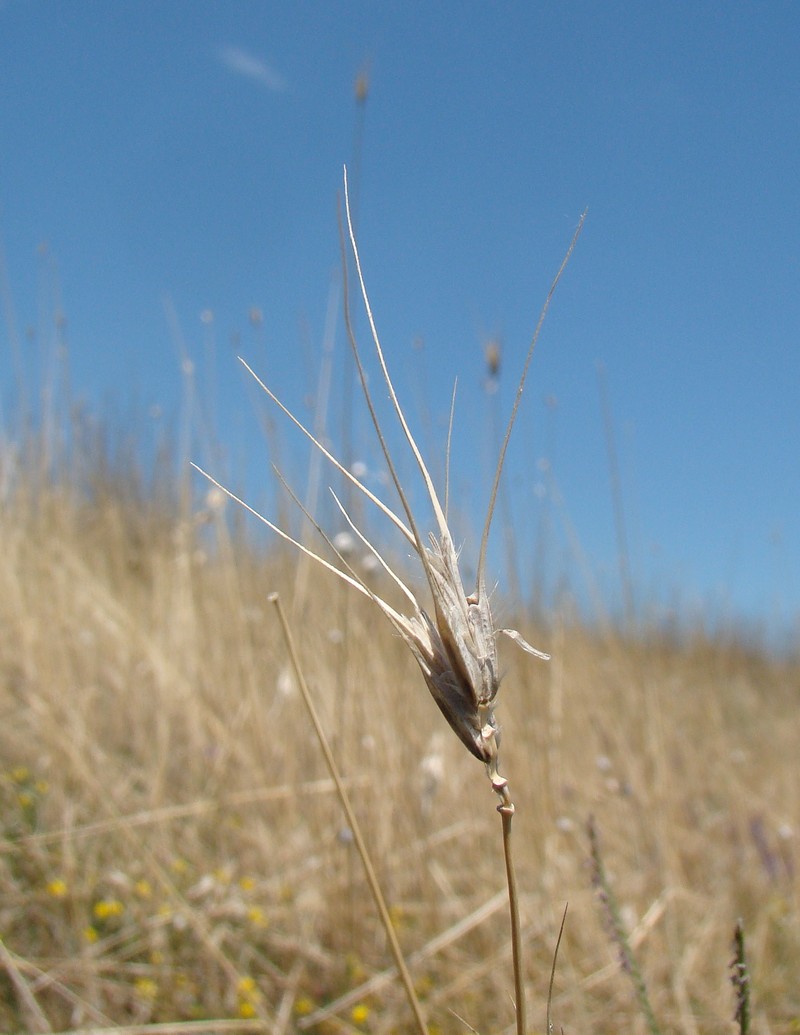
[{"x": 242, "y": 63}]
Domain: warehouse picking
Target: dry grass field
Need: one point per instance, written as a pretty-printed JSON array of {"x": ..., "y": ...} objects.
[{"x": 173, "y": 857}]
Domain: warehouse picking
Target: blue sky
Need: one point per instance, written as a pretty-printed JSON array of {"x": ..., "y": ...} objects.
[{"x": 168, "y": 168}]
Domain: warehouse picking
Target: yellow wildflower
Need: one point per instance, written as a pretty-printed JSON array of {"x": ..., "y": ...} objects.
[
  {"x": 257, "y": 916},
  {"x": 146, "y": 988},
  {"x": 57, "y": 887},
  {"x": 106, "y": 908},
  {"x": 248, "y": 996},
  {"x": 360, "y": 1013},
  {"x": 303, "y": 1006}
]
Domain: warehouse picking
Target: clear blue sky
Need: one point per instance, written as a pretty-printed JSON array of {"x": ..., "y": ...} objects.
[{"x": 186, "y": 158}]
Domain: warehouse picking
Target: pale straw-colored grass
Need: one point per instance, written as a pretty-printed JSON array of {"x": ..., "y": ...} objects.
[
  {"x": 155, "y": 752},
  {"x": 172, "y": 851}
]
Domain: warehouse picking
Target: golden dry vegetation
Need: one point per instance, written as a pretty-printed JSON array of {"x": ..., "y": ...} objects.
[{"x": 173, "y": 856}]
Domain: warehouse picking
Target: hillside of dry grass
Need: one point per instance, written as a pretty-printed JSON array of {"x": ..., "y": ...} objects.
[{"x": 172, "y": 851}]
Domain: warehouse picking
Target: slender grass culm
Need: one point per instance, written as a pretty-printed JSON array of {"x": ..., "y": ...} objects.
[
  {"x": 616, "y": 930},
  {"x": 355, "y": 827},
  {"x": 455, "y": 641},
  {"x": 740, "y": 979}
]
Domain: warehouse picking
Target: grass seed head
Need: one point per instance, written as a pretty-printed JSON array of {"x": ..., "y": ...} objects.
[{"x": 456, "y": 648}]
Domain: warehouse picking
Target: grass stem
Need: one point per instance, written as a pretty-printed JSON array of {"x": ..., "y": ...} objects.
[
  {"x": 506, "y": 810},
  {"x": 617, "y": 930},
  {"x": 740, "y": 977},
  {"x": 369, "y": 869}
]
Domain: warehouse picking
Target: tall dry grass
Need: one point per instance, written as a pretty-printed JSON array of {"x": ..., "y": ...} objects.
[{"x": 171, "y": 848}]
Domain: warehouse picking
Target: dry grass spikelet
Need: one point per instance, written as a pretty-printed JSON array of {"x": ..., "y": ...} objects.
[{"x": 456, "y": 647}]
